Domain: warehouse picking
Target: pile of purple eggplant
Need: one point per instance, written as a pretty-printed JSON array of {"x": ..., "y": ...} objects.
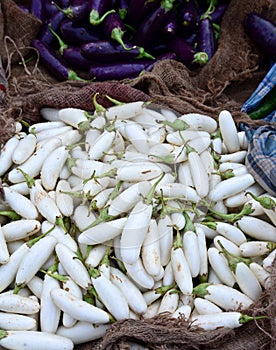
[{"x": 117, "y": 39}]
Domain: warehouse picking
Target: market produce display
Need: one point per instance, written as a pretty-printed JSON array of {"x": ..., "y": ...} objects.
[
  {"x": 105, "y": 40},
  {"x": 128, "y": 212}
]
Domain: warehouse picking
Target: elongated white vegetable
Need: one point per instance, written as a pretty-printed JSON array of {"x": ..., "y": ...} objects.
[
  {"x": 213, "y": 321},
  {"x": 33, "y": 164},
  {"x": 200, "y": 122},
  {"x": 18, "y": 304},
  {"x": 7, "y": 153},
  {"x": 111, "y": 296},
  {"x": 32, "y": 340},
  {"x": 4, "y": 252},
  {"x": 83, "y": 332},
  {"x": 49, "y": 312},
  {"x": 220, "y": 266},
  {"x": 101, "y": 145},
  {"x": 139, "y": 275},
  {"x": 24, "y": 149},
  {"x": 263, "y": 276},
  {"x": 139, "y": 171},
  {"x": 72, "y": 265},
  {"x": 8, "y": 271},
  {"x": 52, "y": 166},
  {"x": 19, "y": 229},
  {"x": 125, "y": 111},
  {"x": 126, "y": 200},
  {"x": 132, "y": 294},
  {"x": 228, "y": 245},
  {"x": 73, "y": 116},
  {"x": 78, "y": 308},
  {"x": 16, "y": 322},
  {"x": 34, "y": 259},
  {"x": 191, "y": 251},
  {"x": 181, "y": 270},
  {"x": 231, "y": 186},
  {"x": 223, "y": 296},
  {"x": 228, "y": 131},
  {"x": 165, "y": 231},
  {"x": 257, "y": 228},
  {"x": 102, "y": 232},
  {"x": 169, "y": 302},
  {"x": 247, "y": 281},
  {"x": 20, "y": 204},
  {"x": 204, "y": 306},
  {"x": 134, "y": 232}
]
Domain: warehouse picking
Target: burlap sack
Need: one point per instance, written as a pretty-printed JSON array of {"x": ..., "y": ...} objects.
[{"x": 225, "y": 82}]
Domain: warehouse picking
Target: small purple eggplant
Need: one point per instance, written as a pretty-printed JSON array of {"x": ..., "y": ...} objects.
[
  {"x": 75, "y": 59},
  {"x": 171, "y": 25},
  {"x": 38, "y": 9},
  {"x": 262, "y": 32},
  {"x": 75, "y": 13},
  {"x": 206, "y": 40},
  {"x": 98, "y": 10},
  {"x": 164, "y": 56},
  {"x": 188, "y": 15},
  {"x": 122, "y": 8},
  {"x": 54, "y": 64},
  {"x": 138, "y": 10},
  {"x": 76, "y": 34},
  {"x": 218, "y": 13},
  {"x": 186, "y": 53},
  {"x": 107, "y": 51},
  {"x": 45, "y": 34},
  {"x": 118, "y": 70},
  {"x": 152, "y": 25},
  {"x": 114, "y": 28}
]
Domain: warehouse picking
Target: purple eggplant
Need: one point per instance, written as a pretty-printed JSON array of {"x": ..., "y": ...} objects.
[
  {"x": 122, "y": 8},
  {"x": 165, "y": 56},
  {"x": 139, "y": 9},
  {"x": 75, "y": 59},
  {"x": 38, "y": 9},
  {"x": 114, "y": 28},
  {"x": 98, "y": 10},
  {"x": 118, "y": 70},
  {"x": 107, "y": 51},
  {"x": 45, "y": 34},
  {"x": 53, "y": 63},
  {"x": 188, "y": 14},
  {"x": 186, "y": 53},
  {"x": 75, "y": 13},
  {"x": 206, "y": 41},
  {"x": 171, "y": 25},
  {"x": 262, "y": 32},
  {"x": 153, "y": 24},
  {"x": 218, "y": 13},
  {"x": 77, "y": 34}
]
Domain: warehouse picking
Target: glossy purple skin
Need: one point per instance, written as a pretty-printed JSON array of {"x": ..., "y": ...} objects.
[
  {"x": 38, "y": 9},
  {"x": 78, "y": 12},
  {"x": 111, "y": 22},
  {"x": 51, "y": 61},
  {"x": 151, "y": 27},
  {"x": 165, "y": 56},
  {"x": 77, "y": 34},
  {"x": 262, "y": 32},
  {"x": 75, "y": 59},
  {"x": 118, "y": 70},
  {"x": 218, "y": 13},
  {"x": 45, "y": 34},
  {"x": 171, "y": 25},
  {"x": 105, "y": 50},
  {"x": 101, "y": 6},
  {"x": 188, "y": 14},
  {"x": 139, "y": 9},
  {"x": 184, "y": 51},
  {"x": 206, "y": 41}
]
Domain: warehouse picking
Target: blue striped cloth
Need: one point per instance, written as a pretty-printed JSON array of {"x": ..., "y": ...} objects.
[
  {"x": 268, "y": 82},
  {"x": 261, "y": 157}
]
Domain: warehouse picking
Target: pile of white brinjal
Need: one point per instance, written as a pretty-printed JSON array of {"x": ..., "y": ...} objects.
[{"x": 128, "y": 212}]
